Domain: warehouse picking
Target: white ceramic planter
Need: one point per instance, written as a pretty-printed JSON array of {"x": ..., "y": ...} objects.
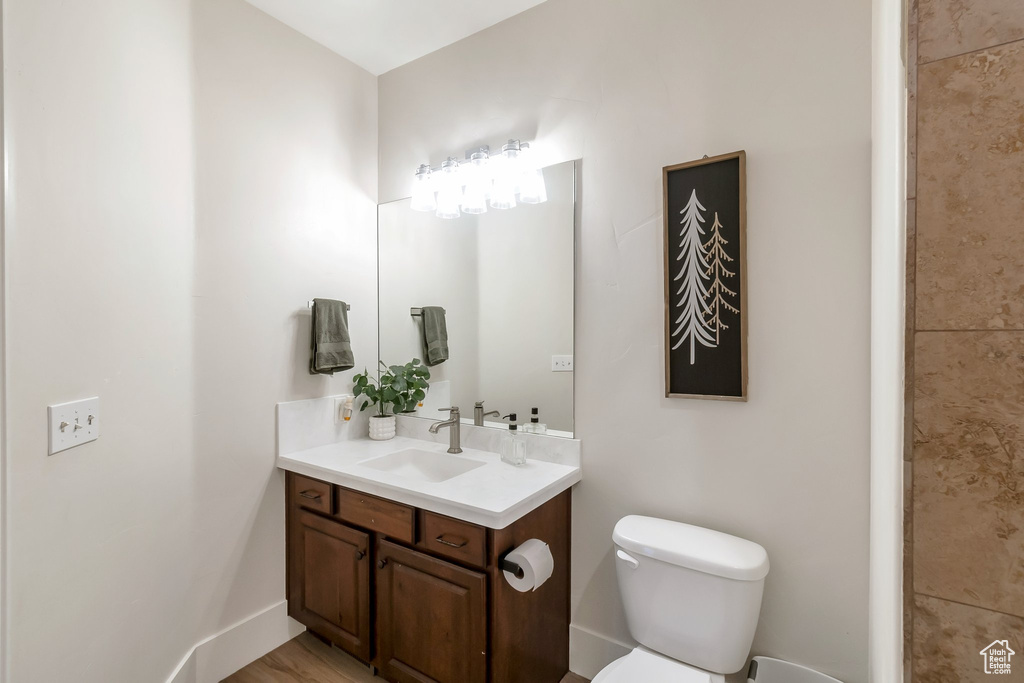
[{"x": 382, "y": 428}]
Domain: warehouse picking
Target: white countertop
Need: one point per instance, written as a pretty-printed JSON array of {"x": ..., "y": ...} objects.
[{"x": 493, "y": 495}]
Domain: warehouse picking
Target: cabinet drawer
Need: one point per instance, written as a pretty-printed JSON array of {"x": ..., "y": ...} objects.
[
  {"x": 312, "y": 494},
  {"x": 453, "y": 538},
  {"x": 376, "y": 514}
]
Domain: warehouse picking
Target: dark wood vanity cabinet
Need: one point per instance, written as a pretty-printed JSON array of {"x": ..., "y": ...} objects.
[
  {"x": 329, "y": 581},
  {"x": 421, "y": 596},
  {"x": 431, "y": 618}
]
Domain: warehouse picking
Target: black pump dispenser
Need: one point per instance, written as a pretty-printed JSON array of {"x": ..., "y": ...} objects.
[
  {"x": 535, "y": 416},
  {"x": 511, "y": 417}
]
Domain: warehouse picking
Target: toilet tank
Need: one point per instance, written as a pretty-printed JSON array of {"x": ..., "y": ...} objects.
[{"x": 690, "y": 593}]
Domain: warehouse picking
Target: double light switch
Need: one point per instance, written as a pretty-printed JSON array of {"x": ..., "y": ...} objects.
[{"x": 561, "y": 363}]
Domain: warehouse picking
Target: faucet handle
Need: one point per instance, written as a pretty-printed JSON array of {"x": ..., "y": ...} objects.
[{"x": 453, "y": 409}]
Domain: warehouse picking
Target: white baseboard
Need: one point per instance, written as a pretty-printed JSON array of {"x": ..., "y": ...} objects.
[
  {"x": 186, "y": 671},
  {"x": 221, "y": 655},
  {"x": 224, "y": 653},
  {"x": 590, "y": 652}
]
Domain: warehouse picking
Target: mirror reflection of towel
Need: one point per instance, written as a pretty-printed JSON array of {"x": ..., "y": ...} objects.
[
  {"x": 435, "y": 335},
  {"x": 331, "y": 344}
]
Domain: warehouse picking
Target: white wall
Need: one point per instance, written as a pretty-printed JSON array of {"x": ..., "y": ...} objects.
[
  {"x": 100, "y": 245},
  {"x": 634, "y": 87},
  {"x": 182, "y": 178},
  {"x": 286, "y": 145}
]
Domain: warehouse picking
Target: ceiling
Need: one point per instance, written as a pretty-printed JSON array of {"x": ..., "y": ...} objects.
[{"x": 380, "y": 35}]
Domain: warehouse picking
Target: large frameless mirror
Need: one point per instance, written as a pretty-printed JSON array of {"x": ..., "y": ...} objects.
[{"x": 502, "y": 282}]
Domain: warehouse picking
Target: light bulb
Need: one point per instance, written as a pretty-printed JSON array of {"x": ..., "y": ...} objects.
[
  {"x": 449, "y": 194},
  {"x": 532, "y": 189},
  {"x": 503, "y": 193},
  {"x": 423, "y": 190},
  {"x": 474, "y": 197}
]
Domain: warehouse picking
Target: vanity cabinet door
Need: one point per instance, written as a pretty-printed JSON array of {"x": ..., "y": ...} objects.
[
  {"x": 330, "y": 581},
  {"x": 431, "y": 619}
]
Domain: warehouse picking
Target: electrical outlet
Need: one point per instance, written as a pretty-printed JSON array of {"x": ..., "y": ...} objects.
[
  {"x": 72, "y": 424},
  {"x": 561, "y": 363}
]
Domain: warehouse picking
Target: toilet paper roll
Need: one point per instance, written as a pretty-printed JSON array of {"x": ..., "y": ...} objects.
[{"x": 535, "y": 558}]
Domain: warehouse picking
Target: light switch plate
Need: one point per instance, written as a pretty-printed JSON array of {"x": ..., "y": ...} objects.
[
  {"x": 561, "y": 363},
  {"x": 80, "y": 420}
]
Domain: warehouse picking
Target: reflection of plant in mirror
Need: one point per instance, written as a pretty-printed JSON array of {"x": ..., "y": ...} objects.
[{"x": 399, "y": 386}]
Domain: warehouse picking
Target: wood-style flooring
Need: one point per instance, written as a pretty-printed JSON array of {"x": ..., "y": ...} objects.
[{"x": 307, "y": 660}]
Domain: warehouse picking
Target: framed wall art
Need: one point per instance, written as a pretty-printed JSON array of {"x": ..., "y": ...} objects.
[{"x": 706, "y": 278}]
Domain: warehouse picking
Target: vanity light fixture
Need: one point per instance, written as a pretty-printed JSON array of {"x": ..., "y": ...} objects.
[
  {"x": 449, "y": 191},
  {"x": 480, "y": 181},
  {"x": 423, "y": 190},
  {"x": 506, "y": 177},
  {"x": 531, "y": 184}
]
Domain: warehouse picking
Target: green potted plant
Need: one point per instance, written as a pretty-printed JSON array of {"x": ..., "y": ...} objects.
[{"x": 399, "y": 388}]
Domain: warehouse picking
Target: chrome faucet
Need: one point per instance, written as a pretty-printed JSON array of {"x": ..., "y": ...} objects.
[
  {"x": 452, "y": 423},
  {"x": 479, "y": 414}
]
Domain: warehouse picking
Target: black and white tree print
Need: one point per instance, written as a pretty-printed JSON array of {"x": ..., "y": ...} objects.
[
  {"x": 715, "y": 248},
  {"x": 692, "y": 323},
  {"x": 704, "y": 276}
]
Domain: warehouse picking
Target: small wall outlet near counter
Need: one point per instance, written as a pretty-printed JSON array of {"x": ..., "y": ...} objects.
[
  {"x": 74, "y": 423},
  {"x": 561, "y": 363}
]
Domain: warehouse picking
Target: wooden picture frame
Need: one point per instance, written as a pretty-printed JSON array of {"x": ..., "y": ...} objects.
[{"x": 705, "y": 209}]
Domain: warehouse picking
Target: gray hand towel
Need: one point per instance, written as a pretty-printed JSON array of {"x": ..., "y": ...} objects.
[
  {"x": 435, "y": 335},
  {"x": 331, "y": 344}
]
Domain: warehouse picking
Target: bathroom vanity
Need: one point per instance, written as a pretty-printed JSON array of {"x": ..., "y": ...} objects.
[
  {"x": 395, "y": 548},
  {"x": 420, "y": 595}
]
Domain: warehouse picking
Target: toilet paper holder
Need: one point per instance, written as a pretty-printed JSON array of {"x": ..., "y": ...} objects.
[{"x": 511, "y": 567}]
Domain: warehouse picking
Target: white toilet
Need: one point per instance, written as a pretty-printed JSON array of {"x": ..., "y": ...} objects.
[{"x": 692, "y": 598}]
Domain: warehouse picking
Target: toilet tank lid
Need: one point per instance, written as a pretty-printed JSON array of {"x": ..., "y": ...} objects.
[{"x": 693, "y": 547}]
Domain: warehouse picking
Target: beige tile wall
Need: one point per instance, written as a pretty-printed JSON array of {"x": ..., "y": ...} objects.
[{"x": 964, "y": 575}]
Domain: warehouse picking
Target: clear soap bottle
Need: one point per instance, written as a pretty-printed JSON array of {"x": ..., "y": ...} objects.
[
  {"x": 513, "y": 449},
  {"x": 536, "y": 426}
]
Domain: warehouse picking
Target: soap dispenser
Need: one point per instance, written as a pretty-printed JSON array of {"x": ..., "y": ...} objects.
[
  {"x": 513, "y": 449},
  {"x": 535, "y": 426}
]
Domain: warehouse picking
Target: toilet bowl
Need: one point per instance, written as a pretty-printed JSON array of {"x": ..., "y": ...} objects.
[
  {"x": 643, "y": 666},
  {"x": 692, "y": 597},
  {"x": 769, "y": 670}
]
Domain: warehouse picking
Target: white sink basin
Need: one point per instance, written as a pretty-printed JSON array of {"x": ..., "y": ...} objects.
[{"x": 412, "y": 463}]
